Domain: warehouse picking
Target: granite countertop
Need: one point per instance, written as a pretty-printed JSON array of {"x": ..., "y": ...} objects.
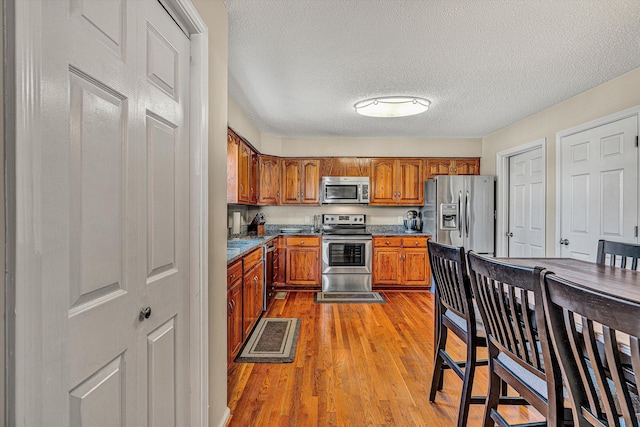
[{"x": 240, "y": 246}]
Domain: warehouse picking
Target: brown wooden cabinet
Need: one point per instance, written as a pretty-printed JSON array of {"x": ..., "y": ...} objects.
[
  {"x": 401, "y": 261},
  {"x": 452, "y": 166},
  {"x": 252, "y": 291},
  {"x": 233, "y": 148},
  {"x": 302, "y": 263},
  {"x": 300, "y": 182},
  {"x": 345, "y": 166},
  {"x": 397, "y": 182},
  {"x": 242, "y": 171},
  {"x": 269, "y": 182},
  {"x": 235, "y": 331}
]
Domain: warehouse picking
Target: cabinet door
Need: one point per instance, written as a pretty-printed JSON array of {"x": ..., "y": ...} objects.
[
  {"x": 303, "y": 266},
  {"x": 290, "y": 185},
  {"x": 438, "y": 167},
  {"x": 253, "y": 178},
  {"x": 244, "y": 173},
  {"x": 269, "y": 183},
  {"x": 466, "y": 166},
  {"x": 234, "y": 320},
  {"x": 252, "y": 280},
  {"x": 258, "y": 292},
  {"x": 386, "y": 266},
  {"x": 310, "y": 182},
  {"x": 409, "y": 182},
  {"x": 233, "y": 148},
  {"x": 416, "y": 266},
  {"x": 383, "y": 191}
]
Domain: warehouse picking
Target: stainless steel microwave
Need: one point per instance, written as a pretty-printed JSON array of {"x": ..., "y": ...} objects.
[{"x": 345, "y": 190}]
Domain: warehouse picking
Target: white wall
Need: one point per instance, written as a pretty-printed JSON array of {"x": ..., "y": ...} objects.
[
  {"x": 613, "y": 96},
  {"x": 382, "y": 147},
  {"x": 215, "y": 15},
  {"x": 240, "y": 123},
  {"x": 304, "y": 214}
]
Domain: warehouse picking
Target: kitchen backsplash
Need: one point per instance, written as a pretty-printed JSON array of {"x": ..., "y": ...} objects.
[{"x": 291, "y": 215}]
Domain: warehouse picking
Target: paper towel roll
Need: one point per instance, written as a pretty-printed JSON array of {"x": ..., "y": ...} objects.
[{"x": 235, "y": 228}]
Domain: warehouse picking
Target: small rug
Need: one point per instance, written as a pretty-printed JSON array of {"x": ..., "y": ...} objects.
[
  {"x": 273, "y": 340},
  {"x": 346, "y": 297},
  {"x": 281, "y": 295}
]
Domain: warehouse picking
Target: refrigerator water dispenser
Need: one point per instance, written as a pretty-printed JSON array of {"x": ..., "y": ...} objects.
[{"x": 448, "y": 216}]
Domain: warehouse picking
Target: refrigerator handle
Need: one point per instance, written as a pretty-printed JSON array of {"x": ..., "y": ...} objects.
[
  {"x": 460, "y": 214},
  {"x": 467, "y": 216}
]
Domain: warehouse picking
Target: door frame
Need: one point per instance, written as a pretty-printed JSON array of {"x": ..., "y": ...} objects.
[
  {"x": 502, "y": 192},
  {"x": 629, "y": 112},
  {"x": 22, "y": 83}
]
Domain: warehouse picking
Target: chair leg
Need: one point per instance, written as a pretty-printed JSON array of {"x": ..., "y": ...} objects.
[
  {"x": 493, "y": 395},
  {"x": 467, "y": 384},
  {"x": 438, "y": 370}
]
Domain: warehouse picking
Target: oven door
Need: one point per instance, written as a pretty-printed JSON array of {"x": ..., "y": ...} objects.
[{"x": 346, "y": 254}]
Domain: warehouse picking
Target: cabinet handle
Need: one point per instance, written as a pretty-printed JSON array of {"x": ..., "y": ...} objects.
[
  {"x": 230, "y": 308},
  {"x": 387, "y": 242},
  {"x": 417, "y": 243},
  {"x": 233, "y": 276}
]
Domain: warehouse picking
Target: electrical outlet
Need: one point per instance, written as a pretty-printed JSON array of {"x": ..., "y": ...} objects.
[
  {"x": 400, "y": 220},
  {"x": 307, "y": 219}
]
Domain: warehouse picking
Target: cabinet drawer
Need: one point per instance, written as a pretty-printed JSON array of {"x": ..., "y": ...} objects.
[
  {"x": 390, "y": 241},
  {"x": 252, "y": 259},
  {"x": 310, "y": 241},
  {"x": 234, "y": 272},
  {"x": 414, "y": 242}
]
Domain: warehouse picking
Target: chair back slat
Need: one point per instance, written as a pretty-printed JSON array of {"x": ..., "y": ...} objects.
[
  {"x": 586, "y": 327},
  {"x": 505, "y": 294},
  {"x": 450, "y": 276},
  {"x": 616, "y": 254}
]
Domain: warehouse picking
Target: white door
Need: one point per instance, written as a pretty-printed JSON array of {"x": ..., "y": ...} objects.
[
  {"x": 111, "y": 216},
  {"x": 599, "y": 194},
  {"x": 526, "y": 204}
]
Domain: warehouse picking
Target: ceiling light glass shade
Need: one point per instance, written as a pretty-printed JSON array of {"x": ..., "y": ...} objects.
[{"x": 392, "y": 106}]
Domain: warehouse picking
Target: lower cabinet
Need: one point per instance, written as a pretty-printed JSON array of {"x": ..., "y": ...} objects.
[
  {"x": 303, "y": 260},
  {"x": 252, "y": 297},
  {"x": 235, "y": 332},
  {"x": 401, "y": 261},
  {"x": 245, "y": 278}
]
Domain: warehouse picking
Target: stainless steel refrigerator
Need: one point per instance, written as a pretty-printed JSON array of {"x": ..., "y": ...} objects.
[{"x": 460, "y": 211}]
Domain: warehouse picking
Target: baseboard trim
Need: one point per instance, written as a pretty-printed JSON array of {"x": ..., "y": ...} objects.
[{"x": 225, "y": 417}]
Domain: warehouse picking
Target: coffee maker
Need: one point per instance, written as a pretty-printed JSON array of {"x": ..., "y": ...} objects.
[{"x": 413, "y": 222}]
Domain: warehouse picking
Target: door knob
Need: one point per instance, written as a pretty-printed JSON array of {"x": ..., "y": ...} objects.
[
  {"x": 564, "y": 242},
  {"x": 509, "y": 234},
  {"x": 145, "y": 313}
]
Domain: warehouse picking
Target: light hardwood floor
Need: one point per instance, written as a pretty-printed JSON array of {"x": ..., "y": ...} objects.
[{"x": 356, "y": 365}]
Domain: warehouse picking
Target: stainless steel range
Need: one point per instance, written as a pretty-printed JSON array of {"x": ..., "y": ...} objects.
[{"x": 346, "y": 254}]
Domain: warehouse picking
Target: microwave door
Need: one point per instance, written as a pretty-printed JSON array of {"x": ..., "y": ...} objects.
[{"x": 341, "y": 192}]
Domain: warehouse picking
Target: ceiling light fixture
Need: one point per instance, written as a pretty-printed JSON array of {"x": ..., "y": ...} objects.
[{"x": 392, "y": 106}]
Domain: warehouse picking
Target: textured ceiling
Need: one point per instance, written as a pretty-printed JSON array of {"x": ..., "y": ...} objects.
[{"x": 296, "y": 67}]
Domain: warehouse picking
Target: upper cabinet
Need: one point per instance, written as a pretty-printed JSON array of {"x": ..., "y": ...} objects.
[
  {"x": 269, "y": 181},
  {"x": 233, "y": 148},
  {"x": 300, "y": 182},
  {"x": 242, "y": 171},
  {"x": 457, "y": 166},
  {"x": 396, "y": 182},
  {"x": 345, "y": 166}
]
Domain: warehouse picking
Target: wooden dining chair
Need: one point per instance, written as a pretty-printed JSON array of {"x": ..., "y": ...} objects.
[
  {"x": 517, "y": 342},
  {"x": 602, "y": 385},
  {"x": 619, "y": 254},
  {"x": 455, "y": 312}
]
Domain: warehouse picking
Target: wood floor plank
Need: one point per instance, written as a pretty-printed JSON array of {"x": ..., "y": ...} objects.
[{"x": 356, "y": 365}]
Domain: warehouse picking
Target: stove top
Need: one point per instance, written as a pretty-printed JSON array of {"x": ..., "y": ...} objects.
[{"x": 344, "y": 224}]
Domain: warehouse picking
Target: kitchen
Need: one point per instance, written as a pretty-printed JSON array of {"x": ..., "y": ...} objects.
[{"x": 394, "y": 147}]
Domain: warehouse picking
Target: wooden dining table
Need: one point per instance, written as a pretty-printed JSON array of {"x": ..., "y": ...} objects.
[{"x": 615, "y": 281}]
